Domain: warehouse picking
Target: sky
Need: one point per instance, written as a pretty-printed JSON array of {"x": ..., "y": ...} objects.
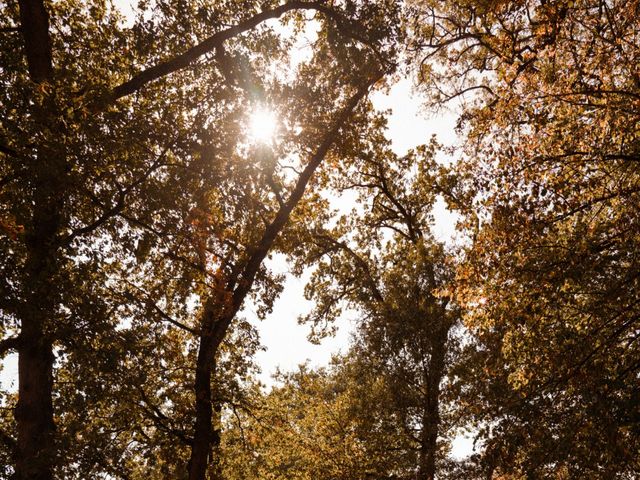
[{"x": 285, "y": 342}]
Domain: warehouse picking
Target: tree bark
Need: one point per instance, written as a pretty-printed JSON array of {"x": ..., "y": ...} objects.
[
  {"x": 34, "y": 21},
  {"x": 206, "y": 436},
  {"x": 34, "y": 410},
  {"x": 35, "y": 452},
  {"x": 203, "y": 429}
]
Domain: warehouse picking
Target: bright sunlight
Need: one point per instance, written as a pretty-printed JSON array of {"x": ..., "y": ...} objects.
[{"x": 262, "y": 126}]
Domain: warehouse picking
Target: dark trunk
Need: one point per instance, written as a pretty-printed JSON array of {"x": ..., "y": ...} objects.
[
  {"x": 34, "y": 411},
  {"x": 203, "y": 429},
  {"x": 34, "y": 24},
  {"x": 205, "y": 437},
  {"x": 431, "y": 412},
  {"x": 216, "y": 471},
  {"x": 35, "y": 454}
]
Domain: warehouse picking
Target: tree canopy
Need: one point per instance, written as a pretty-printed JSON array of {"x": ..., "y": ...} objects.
[{"x": 138, "y": 217}]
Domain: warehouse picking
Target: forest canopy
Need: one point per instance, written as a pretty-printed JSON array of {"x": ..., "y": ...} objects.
[{"x": 153, "y": 160}]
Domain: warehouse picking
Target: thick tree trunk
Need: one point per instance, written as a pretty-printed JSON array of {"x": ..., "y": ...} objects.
[
  {"x": 35, "y": 454},
  {"x": 34, "y": 21},
  {"x": 34, "y": 411},
  {"x": 216, "y": 437}
]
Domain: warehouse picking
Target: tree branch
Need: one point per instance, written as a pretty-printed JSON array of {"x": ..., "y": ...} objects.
[
  {"x": 148, "y": 302},
  {"x": 119, "y": 206},
  {"x": 372, "y": 284},
  {"x": 212, "y": 43},
  {"x": 11, "y": 343},
  {"x": 216, "y": 43},
  {"x": 161, "y": 420}
]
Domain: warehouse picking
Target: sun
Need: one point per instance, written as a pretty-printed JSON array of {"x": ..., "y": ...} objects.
[{"x": 262, "y": 126}]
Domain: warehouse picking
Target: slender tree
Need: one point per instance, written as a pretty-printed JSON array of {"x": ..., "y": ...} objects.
[{"x": 382, "y": 261}]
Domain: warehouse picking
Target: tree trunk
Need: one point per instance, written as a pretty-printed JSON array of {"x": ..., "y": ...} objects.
[
  {"x": 431, "y": 412},
  {"x": 35, "y": 455},
  {"x": 34, "y": 411},
  {"x": 205, "y": 438},
  {"x": 216, "y": 473},
  {"x": 203, "y": 429}
]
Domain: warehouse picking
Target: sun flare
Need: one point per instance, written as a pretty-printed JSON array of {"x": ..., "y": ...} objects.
[{"x": 262, "y": 126}]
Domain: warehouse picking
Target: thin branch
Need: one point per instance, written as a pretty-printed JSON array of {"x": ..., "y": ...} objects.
[
  {"x": 10, "y": 152},
  {"x": 120, "y": 203},
  {"x": 373, "y": 287},
  {"x": 160, "y": 419},
  {"x": 154, "y": 306}
]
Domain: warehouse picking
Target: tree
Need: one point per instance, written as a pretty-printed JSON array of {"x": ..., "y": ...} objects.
[
  {"x": 95, "y": 126},
  {"x": 549, "y": 186},
  {"x": 323, "y": 424}
]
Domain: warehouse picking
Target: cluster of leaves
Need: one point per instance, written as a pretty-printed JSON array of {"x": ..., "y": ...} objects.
[{"x": 327, "y": 423}]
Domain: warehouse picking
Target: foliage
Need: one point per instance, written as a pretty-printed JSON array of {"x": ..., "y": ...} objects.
[
  {"x": 550, "y": 189},
  {"x": 136, "y": 217},
  {"x": 317, "y": 424}
]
